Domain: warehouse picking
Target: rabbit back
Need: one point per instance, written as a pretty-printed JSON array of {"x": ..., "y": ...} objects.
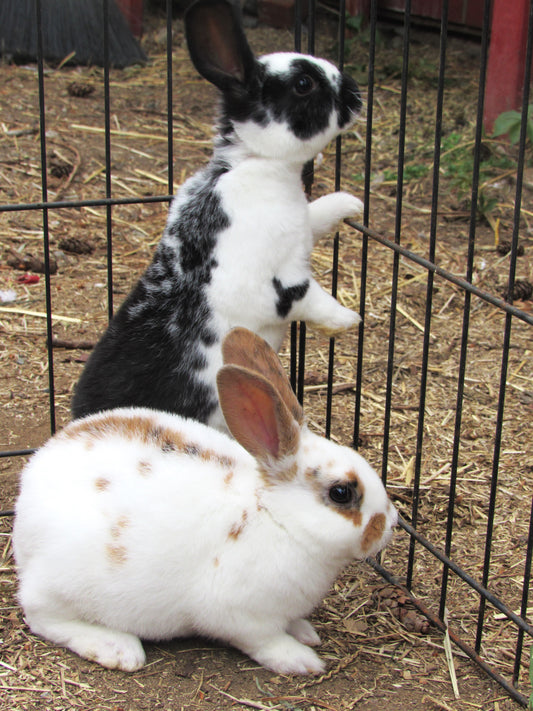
[{"x": 133, "y": 510}]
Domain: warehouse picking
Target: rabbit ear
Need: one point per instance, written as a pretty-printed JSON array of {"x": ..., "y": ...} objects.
[
  {"x": 245, "y": 348},
  {"x": 217, "y": 44},
  {"x": 256, "y": 415}
]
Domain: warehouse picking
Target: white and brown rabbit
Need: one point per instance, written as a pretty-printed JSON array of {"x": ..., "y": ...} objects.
[
  {"x": 134, "y": 523},
  {"x": 239, "y": 235}
]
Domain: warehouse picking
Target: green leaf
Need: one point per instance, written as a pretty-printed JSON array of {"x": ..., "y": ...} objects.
[
  {"x": 529, "y": 128},
  {"x": 514, "y": 133},
  {"x": 506, "y": 122}
]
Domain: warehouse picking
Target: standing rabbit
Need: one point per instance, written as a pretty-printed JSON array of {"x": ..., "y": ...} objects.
[
  {"x": 134, "y": 523},
  {"x": 237, "y": 244}
]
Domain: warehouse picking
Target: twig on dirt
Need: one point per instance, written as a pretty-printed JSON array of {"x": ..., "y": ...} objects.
[
  {"x": 436, "y": 702},
  {"x": 72, "y": 345},
  {"x": 245, "y": 702},
  {"x": 308, "y": 699},
  {"x": 77, "y": 162},
  {"x": 449, "y": 660},
  {"x": 198, "y": 688},
  {"x": 39, "y": 314},
  {"x": 143, "y": 136},
  {"x": 342, "y": 664}
]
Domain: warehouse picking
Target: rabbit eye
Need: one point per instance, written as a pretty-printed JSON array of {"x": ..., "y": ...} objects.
[
  {"x": 341, "y": 494},
  {"x": 304, "y": 84}
]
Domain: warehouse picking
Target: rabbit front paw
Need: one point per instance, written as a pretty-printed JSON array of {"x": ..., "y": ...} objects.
[
  {"x": 343, "y": 320},
  {"x": 327, "y": 211},
  {"x": 285, "y": 655}
]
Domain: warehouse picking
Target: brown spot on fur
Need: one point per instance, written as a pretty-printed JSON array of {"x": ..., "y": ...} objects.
[
  {"x": 138, "y": 427},
  {"x": 238, "y": 528},
  {"x": 102, "y": 483},
  {"x": 352, "y": 476},
  {"x": 116, "y": 554},
  {"x": 374, "y": 530},
  {"x": 281, "y": 471},
  {"x": 258, "y": 503},
  {"x": 216, "y": 562},
  {"x": 144, "y": 468},
  {"x": 353, "y": 514},
  {"x": 225, "y": 462},
  {"x": 120, "y": 525},
  {"x": 228, "y": 478}
]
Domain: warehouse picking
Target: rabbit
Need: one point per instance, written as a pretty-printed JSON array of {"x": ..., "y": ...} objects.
[
  {"x": 237, "y": 243},
  {"x": 134, "y": 523}
]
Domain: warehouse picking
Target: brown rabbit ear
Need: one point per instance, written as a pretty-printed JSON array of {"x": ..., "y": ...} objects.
[
  {"x": 247, "y": 349},
  {"x": 256, "y": 415}
]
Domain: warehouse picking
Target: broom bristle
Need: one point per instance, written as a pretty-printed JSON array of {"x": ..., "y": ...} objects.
[{"x": 68, "y": 26}]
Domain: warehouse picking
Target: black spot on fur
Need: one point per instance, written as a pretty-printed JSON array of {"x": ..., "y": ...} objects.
[
  {"x": 287, "y": 295},
  {"x": 168, "y": 446},
  {"x": 350, "y": 100},
  {"x": 152, "y": 353}
]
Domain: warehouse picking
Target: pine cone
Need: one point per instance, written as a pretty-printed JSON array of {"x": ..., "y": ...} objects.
[
  {"x": 522, "y": 290},
  {"x": 59, "y": 167},
  {"x": 505, "y": 246},
  {"x": 76, "y": 245},
  {"x": 80, "y": 90}
]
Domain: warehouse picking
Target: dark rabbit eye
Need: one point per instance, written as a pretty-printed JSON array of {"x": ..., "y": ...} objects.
[
  {"x": 304, "y": 85},
  {"x": 341, "y": 494}
]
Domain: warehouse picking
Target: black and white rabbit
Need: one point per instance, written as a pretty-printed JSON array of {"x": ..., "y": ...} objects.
[
  {"x": 137, "y": 524},
  {"x": 237, "y": 244}
]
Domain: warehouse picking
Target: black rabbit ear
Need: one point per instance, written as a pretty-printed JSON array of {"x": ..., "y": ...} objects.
[{"x": 217, "y": 44}]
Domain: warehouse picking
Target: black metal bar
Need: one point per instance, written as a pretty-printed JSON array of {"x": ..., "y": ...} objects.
[
  {"x": 429, "y": 289},
  {"x": 525, "y": 595},
  {"x": 467, "y": 300},
  {"x": 311, "y": 26},
  {"x": 107, "y": 141},
  {"x": 301, "y": 363},
  {"x": 508, "y": 325},
  {"x": 397, "y": 239},
  {"x": 335, "y": 257},
  {"x": 298, "y": 25},
  {"x": 444, "y": 273},
  {"x": 17, "y": 453},
  {"x": 366, "y": 219},
  {"x": 294, "y": 324},
  {"x": 46, "y": 235},
  {"x": 96, "y": 202},
  {"x": 514, "y": 693},
  {"x": 170, "y": 125}
]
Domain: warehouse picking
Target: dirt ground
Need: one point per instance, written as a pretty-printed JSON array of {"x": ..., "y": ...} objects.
[{"x": 375, "y": 659}]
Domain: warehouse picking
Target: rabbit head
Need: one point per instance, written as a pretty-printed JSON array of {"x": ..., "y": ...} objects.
[
  {"x": 282, "y": 105},
  {"x": 265, "y": 417}
]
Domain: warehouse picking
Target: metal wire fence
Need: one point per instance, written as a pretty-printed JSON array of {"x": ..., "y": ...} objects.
[{"x": 441, "y": 547}]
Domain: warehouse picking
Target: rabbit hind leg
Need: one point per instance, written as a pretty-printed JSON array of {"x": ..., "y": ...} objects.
[{"x": 110, "y": 648}]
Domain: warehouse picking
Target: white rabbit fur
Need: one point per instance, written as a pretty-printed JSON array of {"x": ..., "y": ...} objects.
[
  {"x": 135, "y": 524},
  {"x": 237, "y": 244}
]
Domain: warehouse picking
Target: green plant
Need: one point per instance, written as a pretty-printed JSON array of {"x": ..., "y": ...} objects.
[
  {"x": 457, "y": 165},
  {"x": 509, "y": 122}
]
